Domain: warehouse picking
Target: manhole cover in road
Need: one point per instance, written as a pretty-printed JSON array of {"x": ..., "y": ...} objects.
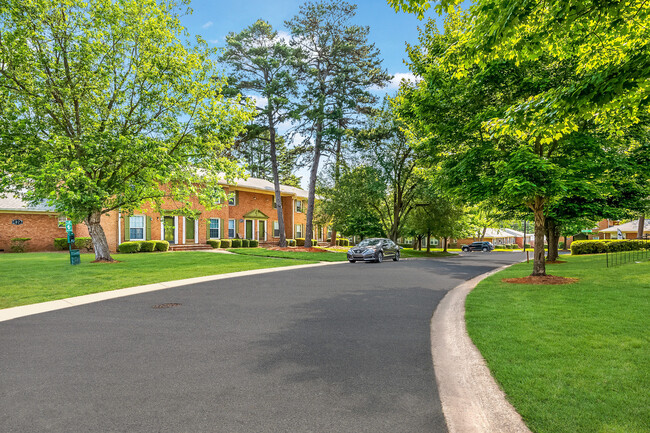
[{"x": 168, "y": 305}]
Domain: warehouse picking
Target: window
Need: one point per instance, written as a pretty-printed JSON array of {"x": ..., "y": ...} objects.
[
  {"x": 299, "y": 206},
  {"x": 214, "y": 228},
  {"x": 231, "y": 229},
  {"x": 62, "y": 220},
  {"x": 233, "y": 198},
  {"x": 276, "y": 229},
  {"x": 298, "y": 230},
  {"x": 136, "y": 228}
]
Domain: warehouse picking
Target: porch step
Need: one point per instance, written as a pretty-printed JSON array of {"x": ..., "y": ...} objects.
[{"x": 191, "y": 247}]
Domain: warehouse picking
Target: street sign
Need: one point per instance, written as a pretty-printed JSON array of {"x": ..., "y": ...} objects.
[
  {"x": 586, "y": 231},
  {"x": 68, "y": 226}
]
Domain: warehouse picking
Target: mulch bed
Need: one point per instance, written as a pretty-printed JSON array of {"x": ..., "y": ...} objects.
[{"x": 546, "y": 279}]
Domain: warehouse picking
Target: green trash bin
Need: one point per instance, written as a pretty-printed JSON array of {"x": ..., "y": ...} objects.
[{"x": 75, "y": 257}]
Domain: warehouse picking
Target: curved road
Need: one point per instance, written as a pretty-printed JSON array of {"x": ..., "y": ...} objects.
[{"x": 342, "y": 348}]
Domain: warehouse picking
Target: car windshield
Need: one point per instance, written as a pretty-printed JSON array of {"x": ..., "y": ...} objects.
[{"x": 369, "y": 243}]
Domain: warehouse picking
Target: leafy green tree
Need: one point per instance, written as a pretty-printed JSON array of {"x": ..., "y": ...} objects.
[
  {"x": 262, "y": 66},
  {"x": 337, "y": 68},
  {"x": 453, "y": 115},
  {"x": 606, "y": 43},
  {"x": 102, "y": 102},
  {"x": 351, "y": 203}
]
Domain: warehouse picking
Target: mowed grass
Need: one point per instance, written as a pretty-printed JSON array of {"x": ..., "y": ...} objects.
[
  {"x": 39, "y": 277},
  {"x": 410, "y": 252},
  {"x": 571, "y": 358},
  {"x": 325, "y": 256}
]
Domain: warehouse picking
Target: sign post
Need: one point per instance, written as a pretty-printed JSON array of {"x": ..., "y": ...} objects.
[{"x": 75, "y": 257}]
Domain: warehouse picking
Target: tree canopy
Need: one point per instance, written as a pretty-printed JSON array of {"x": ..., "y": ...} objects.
[{"x": 102, "y": 102}]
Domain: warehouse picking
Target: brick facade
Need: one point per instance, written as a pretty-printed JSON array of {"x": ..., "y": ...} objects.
[{"x": 43, "y": 228}]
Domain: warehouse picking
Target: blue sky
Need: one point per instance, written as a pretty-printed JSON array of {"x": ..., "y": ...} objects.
[
  {"x": 214, "y": 19},
  {"x": 389, "y": 31}
]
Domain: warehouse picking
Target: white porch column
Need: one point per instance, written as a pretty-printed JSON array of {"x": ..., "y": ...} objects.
[
  {"x": 196, "y": 230},
  {"x": 119, "y": 228},
  {"x": 162, "y": 228},
  {"x": 175, "y": 229},
  {"x": 183, "y": 238}
]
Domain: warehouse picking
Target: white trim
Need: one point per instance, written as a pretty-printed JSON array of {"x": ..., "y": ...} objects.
[
  {"x": 183, "y": 239},
  {"x": 119, "y": 228},
  {"x": 162, "y": 227},
  {"x": 175, "y": 230},
  {"x": 196, "y": 230},
  {"x": 144, "y": 228},
  {"x": 266, "y": 230},
  {"x": 293, "y": 223}
]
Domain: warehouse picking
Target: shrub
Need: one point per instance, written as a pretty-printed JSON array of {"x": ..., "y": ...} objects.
[
  {"x": 607, "y": 245},
  {"x": 162, "y": 245},
  {"x": 60, "y": 243},
  {"x": 560, "y": 245},
  {"x": 147, "y": 246},
  {"x": 236, "y": 243},
  {"x": 300, "y": 242},
  {"x": 214, "y": 243},
  {"x": 254, "y": 243},
  {"x": 245, "y": 243},
  {"x": 226, "y": 243},
  {"x": 314, "y": 242},
  {"x": 129, "y": 247},
  {"x": 82, "y": 242},
  {"x": 291, "y": 242},
  {"x": 343, "y": 242},
  {"x": 527, "y": 245},
  {"x": 18, "y": 245}
]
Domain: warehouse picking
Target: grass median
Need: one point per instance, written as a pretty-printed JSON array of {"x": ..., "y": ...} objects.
[
  {"x": 574, "y": 357},
  {"x": 39, "y": 277}
]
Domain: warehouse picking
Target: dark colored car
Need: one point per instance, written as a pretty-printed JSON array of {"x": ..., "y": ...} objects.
[
  {"x": 478, "y": 246},
  {"x": 374, "y": 250}
]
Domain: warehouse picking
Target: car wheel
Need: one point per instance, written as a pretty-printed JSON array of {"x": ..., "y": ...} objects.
[
  {"x": 486, "y": 249},
  {"x": 352, "y": 261},
  {"x": 396, "y": 258},
  {"x": 466, "y": 250},
  {"x": 380, "y": 257}
]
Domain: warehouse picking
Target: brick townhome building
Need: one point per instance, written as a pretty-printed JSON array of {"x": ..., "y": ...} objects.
[{"x": 249, "y": 214}]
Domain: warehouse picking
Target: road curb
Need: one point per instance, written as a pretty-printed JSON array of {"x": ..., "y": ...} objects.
[
  {"x": 472, "y": 402},
  {"x": 44, "y": 307}
]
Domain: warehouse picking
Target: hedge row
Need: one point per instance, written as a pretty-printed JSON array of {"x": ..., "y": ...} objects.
[
  {"x": 301, "y": 242},
  {"x": 607, "y": 245},
  {"x": 507, "y": 247},
  {"x": 79, "y": 243},
  {"x": 142, "y": 246}
]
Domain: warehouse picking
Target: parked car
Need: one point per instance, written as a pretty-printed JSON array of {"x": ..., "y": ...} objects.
[
  {"x": 374, "y": 250},
  {"x": 478, "y": 246}
]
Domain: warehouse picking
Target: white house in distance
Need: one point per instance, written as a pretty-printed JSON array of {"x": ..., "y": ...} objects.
[{"x": 628, "y": 230}]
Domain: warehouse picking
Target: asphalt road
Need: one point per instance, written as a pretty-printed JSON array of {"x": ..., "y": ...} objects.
[{"x": 341, "y": 348}]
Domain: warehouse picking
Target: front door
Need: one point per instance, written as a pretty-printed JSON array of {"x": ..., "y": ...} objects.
[
  {"x": 261, "y": 232},
  {"x": 249, "y": 229},
  {"x": 168, "y": 225},
  {"x": 189, "y": 230}
]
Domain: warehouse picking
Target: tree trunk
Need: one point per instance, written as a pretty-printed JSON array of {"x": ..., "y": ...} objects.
[
  {"x": 276, "y": 182},
  {"x": 566, "y": 247},
  {"x": 482, "y": 234},
  {"x": 100, "y": 245},
  {"x": 444, "y": 245},
  {"x": 333, "y": 239},
  {"x": 312, "y": 185},
  {"x": 539, "y": 265},
  {"x": 553, "y": 240},
  {"x": 641, "y": 228},
  {"x": 429, "y": 241},
  {"x": 415, "y": 243}
]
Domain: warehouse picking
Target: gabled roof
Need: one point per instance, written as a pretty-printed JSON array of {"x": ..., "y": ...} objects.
[
  {"x": 629, "y": 227},
  {"x": 265, "y": 185},
  {"x": 10, "y": 202},
  {"x": 256, "y": 214}
]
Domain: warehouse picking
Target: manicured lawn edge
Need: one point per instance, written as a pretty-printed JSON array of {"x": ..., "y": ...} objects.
[
  {"x": 40, "y": 277},
  {"x": 571, "y": 357},
  {"x": 292, "y": 255}
]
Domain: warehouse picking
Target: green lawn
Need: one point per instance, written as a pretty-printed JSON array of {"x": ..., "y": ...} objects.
[
  {"x": 38, "y": 277},
  {"x": 410, "y": 252},
  {"x": 295, "y": 255},
  {"x": 571, "y": 358}
]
